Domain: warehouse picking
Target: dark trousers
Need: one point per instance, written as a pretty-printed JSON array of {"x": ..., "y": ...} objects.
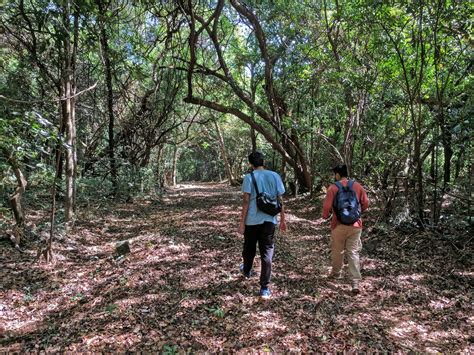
[{"x": 263, "y": 234}]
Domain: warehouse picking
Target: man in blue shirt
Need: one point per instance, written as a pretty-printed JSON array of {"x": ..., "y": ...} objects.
[{"x": 256, "y": 225}]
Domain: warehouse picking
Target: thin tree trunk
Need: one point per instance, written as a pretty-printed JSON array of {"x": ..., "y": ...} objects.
[
  {"x": 459, "y": 164},
  {"x": 253, "y": 138},
  {"x": 110, "y": 97},
  {"x": 47, "y": 251},
  {"x": 352, "y": 125},
  {"x": 159, "y": 174},
  {"x": 253, "y": 92},
  {"x": 69, "y": 114},
  {"x": 228, "y": 169},
  {"x": 70, "y": 140},
  {"x": 15, "y": 199},
  {"x": 448, "y": 156},
  {"x": 175, "y": 163},
  {"x": 419, "y": 175}
]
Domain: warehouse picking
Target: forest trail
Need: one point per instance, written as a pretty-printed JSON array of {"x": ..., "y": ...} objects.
[{"x": 179, "y": 289}]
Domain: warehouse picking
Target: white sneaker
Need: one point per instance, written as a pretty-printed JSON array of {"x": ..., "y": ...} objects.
[{"x": 355, "y": 287}]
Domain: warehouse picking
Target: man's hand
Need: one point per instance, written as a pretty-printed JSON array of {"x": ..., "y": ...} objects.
[
  {"x": 320, "y": 221},
  {"x": 283, "y": 227},
  {"x": 241, "y": 229}
]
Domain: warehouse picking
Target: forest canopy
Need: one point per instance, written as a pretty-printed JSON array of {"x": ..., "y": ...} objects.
[{"x": 126, "y": 98}]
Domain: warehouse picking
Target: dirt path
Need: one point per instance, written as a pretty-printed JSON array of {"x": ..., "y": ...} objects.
[{"x": 180, "y": 289}]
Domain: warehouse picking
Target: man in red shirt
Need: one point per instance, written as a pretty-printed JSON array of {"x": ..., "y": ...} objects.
[{"x": 345, "y": 237}]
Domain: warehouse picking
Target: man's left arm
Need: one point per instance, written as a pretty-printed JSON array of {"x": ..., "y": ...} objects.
[
  {"x": 282, "y": 214},
  {"x": 364, "y": 200},
  {"x": 280, "y": 192}
]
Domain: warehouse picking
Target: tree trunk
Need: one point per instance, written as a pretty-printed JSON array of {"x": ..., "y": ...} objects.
[
  {"x": 15, "y": 199},
  {"x": 253, "y": 138},
  {"x": 159, "y": 173},
  {"x": 253, "y": 93},
  {"x": 175, "y": 163},
  {"x": 419, "y": 176},
  {"x": 110, "y": 96},
  {"x": 69, "y": 111},
  {"x": 448, "y": 155},
  {"x": 459, "y": 164},
  {"x": 71, "y": 154},
  {"x": 283, "y": 170},
  {"x": 351, "y": 128},
  {"x": 68, "y": 116},
  {"x": 228, "y": 169}
]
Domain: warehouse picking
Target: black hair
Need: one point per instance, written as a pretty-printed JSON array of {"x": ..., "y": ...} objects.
[
  {"x": 256, "y": 159},
  {"x": 340, "y": 169}
]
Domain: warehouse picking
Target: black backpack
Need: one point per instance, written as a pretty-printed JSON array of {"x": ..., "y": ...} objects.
[
  {"x": 346, "y": 204},
  {"x": 265, "y": 202}
]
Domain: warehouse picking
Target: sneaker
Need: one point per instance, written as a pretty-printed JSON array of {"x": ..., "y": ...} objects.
[
  {"x": 355, "y": 287},
  {"x": 246, "y": 275},
  {"x": 265, "y": 293},
  {"x": 335, "y": 276}
]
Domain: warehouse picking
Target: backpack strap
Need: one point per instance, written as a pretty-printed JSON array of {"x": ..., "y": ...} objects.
[
  {"x": 350, "y": 183},
  {"x": 255, "y": 183},
  {"x": 339, "y": 188}
]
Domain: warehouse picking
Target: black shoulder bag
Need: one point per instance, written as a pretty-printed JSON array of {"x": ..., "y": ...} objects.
[{"x": 265, "y": 202}]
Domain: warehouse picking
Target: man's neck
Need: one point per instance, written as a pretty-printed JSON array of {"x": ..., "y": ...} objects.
[{"x": 259, "y": 168}]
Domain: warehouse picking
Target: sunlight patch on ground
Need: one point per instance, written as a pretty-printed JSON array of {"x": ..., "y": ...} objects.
[
  {"x": 310, "y": 238},
  {"x": 9, "y": 319},
  {"x": 441, "y": 303},
  {"x": 292, "y": 218},
  {"x": 137, "y": 303},
  {"x": 190, "y": 304},
  {"x": 265, "y": 323},
  {"x": 373, "y": 264},
  {"x": 163, "y": 258},
  {"x": 412, "y": 334},
  {"x": 194, "y": 186},
  {"x": 410, "y": 278},
  {"x": 465, "y": 273},
  {"x": 408, "y": 332}
]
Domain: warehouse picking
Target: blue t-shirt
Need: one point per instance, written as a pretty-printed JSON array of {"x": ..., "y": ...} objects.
[{"x": 267, "y": 181}]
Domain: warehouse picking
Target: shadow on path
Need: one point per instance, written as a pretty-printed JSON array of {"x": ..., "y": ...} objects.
[{"x": 179, "y": 288}]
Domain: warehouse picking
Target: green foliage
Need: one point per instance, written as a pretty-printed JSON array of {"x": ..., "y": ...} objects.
[
  {"x": 216, "y": 311},
  {"x": 77, "y": 297},
  {"x": 170, "y": 349},
  {"x": 391, "y": 72},
  {"x": 111, "y": 307}
]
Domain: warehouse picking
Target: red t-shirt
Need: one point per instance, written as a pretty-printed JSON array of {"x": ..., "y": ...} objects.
[{"x": 329, "y": 200}]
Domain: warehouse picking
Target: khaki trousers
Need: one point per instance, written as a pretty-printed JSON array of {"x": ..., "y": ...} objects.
[{"x": 346, "y": 238}]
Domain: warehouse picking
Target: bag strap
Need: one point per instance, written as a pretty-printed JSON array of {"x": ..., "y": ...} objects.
[
  {"x": 255, "y": 183},
  {"x": 338, "y": 185},
  {"x": 350, "y": 183}
]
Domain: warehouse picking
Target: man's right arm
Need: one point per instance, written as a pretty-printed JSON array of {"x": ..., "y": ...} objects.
[
  {"x": 328, "y": 202},
  {"x": 245, "y": 209},
  {"x": 246, "y": 190},
  {"x": 282, "y": 214}
]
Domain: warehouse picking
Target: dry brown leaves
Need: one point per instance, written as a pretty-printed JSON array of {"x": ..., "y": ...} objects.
[{"x": 180, "y": 290}]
